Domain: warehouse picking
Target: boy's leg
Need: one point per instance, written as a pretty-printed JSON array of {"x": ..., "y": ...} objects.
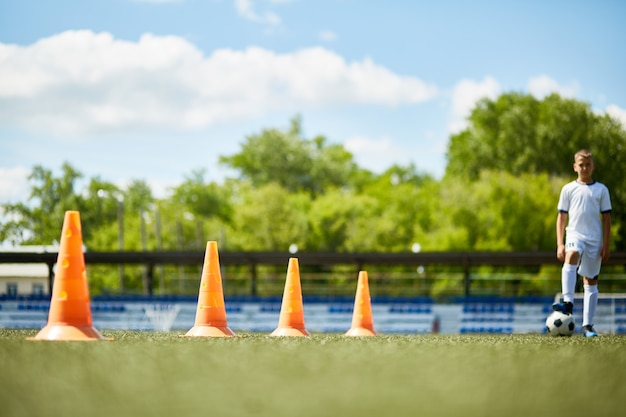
[
  {"x": 569, "y": 276},
  {"x": 590, "y": 265},
  {"x": 590, "y": 303},
  {"x": 568, "y": 282}
]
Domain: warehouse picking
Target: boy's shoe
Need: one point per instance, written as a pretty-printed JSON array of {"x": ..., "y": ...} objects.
[
  {"x": 589, "y": 332},
  {"x": 565, "y": 307}
]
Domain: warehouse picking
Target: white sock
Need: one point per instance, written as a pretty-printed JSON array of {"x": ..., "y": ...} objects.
[
  {"x": 590, "y": 304},
  {"x": 568, "y": 281}
]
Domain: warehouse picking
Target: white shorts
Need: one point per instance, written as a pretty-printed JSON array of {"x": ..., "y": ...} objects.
[{"x": 590, "y": 257}]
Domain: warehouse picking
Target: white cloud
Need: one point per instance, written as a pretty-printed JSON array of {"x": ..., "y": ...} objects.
[
  {"x": 375, "y": 154},
  {"x": 379, "y": 154},
  {"x": 464, "y": 97},
  {"x": 543, "y": 86},
  {"x": 245, "y": 9},
  {"x": 13, "y": 184},
  {"x": 80, "y": 82},
  {"x": 360, "y": 144},
  {"x": 617, "y": 113},
  {"x": 327, "y": 35}
]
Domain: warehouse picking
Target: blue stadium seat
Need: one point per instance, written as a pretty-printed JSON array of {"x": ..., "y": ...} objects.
[
  {"x": 233, "y": 308},
  {"x": 410, "y": 309},
  {"x": 340, "y": 309},
  {"x": 270, "y": 308}
]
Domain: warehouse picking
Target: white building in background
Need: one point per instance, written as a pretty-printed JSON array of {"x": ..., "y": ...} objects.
[{"x": 25, "y": 278}]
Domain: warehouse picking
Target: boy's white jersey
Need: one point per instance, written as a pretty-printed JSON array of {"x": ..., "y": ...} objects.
[{"x": 584, "y": 204}]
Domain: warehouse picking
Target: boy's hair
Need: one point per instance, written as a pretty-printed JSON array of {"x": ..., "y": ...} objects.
[{"x": 583, "y": 153}]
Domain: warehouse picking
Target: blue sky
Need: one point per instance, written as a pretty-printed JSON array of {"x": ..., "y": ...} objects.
[{"x": 152, "y": 90}]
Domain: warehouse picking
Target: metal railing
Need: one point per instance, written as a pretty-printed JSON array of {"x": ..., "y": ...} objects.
[{"x": 465, "y": 263}]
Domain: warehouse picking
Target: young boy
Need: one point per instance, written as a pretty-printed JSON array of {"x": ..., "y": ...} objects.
[{"x": 588, "y": 205}]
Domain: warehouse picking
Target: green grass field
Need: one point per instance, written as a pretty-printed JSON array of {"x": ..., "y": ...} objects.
[{"x": 162, "y": 374}]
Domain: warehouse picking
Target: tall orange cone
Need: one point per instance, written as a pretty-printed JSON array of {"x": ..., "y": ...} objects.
[
  {"x": 362, "y": 322},
  {"x": 211, "y": 312},
  {"x": 69, "y": 317},
  {"x": 291, "y": 321}
]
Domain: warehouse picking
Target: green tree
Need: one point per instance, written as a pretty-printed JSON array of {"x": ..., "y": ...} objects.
[
  {"x": 39, "y": 220},
  {"x": 203, "y": 199},
  {"x": 341, "y": 221},
  {"x": 295, "y": 163},
  {"x": 403, "y": 213},
  {"x": 497, "y": 212},
  {"x": 100, "y": 213},
  {"x": 268, "y": 218},
  {"x": 519, "y": 134}
]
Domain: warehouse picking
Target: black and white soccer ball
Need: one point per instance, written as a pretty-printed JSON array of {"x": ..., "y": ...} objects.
[{"x": 560, "y": 324}]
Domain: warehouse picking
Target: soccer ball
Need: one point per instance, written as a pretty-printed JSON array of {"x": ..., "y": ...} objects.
[{"x": 560, "y": 324}]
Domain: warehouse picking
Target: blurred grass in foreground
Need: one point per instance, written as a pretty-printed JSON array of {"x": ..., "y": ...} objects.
[{"x": 162, "y": 374}]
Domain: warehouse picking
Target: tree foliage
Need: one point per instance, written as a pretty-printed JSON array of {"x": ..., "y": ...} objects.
[
  {"x": 499, "y": 193},
  {"x": 501, "y": 212},
  {"x": 520, "y": 134},
  {"x": 37, "y": 220},
  {"x": 295, "y": 163},
  {"x": 202, "y": 199},
  {"x": 269, "y": 218}
]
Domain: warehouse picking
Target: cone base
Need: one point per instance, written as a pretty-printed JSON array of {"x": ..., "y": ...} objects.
[
  {"x": 209, "y": 331},
  {"x": 63, "y": 332},
  {"x": 360, "y": 331},
  {"x": 289, "y": 331}
]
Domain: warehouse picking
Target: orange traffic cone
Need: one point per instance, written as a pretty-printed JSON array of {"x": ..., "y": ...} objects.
[
  {"x": 291, "y": 321},
  {"x": 211, "y": 312},
  {"x": 362, "y": 322},
  {"x": 69, "y": 317}
]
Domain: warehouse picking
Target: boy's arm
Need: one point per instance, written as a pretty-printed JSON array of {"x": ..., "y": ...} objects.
[
  {"x": 561, "y": 219},
  {"x": 606, "y": 236}
]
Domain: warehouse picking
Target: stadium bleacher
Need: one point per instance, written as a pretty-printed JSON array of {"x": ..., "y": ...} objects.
[{"x": 492, "y": 315}]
